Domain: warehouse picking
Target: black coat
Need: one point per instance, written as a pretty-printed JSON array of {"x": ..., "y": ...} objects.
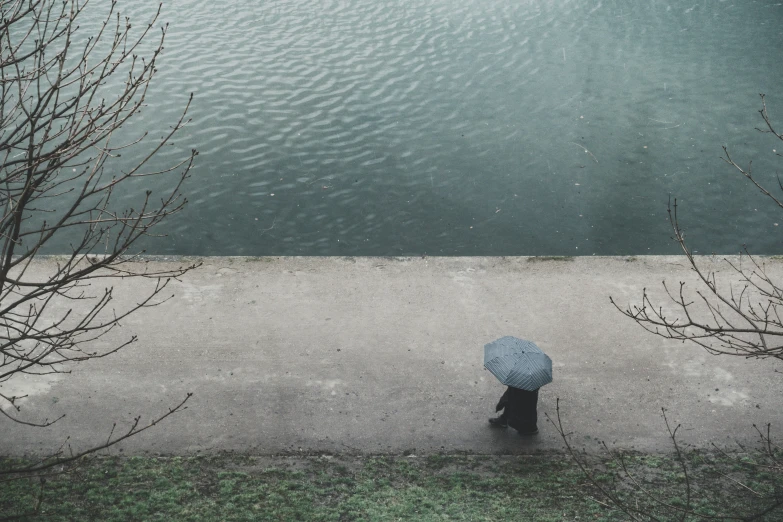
[{"x": 520, "y": 408}]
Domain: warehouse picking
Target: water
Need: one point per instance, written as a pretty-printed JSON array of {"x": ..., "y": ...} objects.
[{"x": 473, "y": 127}]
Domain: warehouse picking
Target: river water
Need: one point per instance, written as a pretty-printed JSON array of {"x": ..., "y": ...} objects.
[{"x": 469, "y": 127}]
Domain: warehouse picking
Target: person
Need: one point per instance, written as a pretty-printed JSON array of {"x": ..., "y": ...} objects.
[{"x": 519, "y": 411}]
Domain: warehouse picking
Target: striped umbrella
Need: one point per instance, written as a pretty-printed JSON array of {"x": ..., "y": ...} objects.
[{"x": 518, "y": 363}]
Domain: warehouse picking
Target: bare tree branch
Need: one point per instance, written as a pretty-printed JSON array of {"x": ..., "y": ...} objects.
[
  {"x": 656, "y": 507},
  {"x": 65, "y": 98},
  {"x": 736, "y": 318},
  {"x": 740, "y": 316}
]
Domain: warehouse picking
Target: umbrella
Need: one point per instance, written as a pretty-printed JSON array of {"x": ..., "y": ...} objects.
[{"x": 518, "y": 363}]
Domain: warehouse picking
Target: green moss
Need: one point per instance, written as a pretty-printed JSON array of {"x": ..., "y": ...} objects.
[{"x": 537, "y": 259}]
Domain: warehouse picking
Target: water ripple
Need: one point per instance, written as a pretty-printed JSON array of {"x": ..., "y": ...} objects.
[{"x": 391, "y": 127}]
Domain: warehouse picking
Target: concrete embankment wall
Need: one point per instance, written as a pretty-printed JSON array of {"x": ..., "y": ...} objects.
[{"x": 385, "y": 355}]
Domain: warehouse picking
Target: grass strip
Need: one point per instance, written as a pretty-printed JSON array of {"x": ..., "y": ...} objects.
[{"x": 232, "y": 487}]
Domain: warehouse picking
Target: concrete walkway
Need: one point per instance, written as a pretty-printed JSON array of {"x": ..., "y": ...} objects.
[{"x": 385, "y": 355}]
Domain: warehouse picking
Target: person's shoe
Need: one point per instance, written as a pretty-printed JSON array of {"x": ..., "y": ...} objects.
[
  {"x": 529, "y": 432},
  {"x": 498, "y": 422}
]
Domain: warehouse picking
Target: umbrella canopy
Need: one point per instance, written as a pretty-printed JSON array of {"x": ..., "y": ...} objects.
[{"x": 518, "y": 363}]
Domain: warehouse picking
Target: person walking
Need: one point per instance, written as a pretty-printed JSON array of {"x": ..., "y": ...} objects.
[
  {"x": 519, "y": 411},
  {"x": 524, "y": 368}
]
